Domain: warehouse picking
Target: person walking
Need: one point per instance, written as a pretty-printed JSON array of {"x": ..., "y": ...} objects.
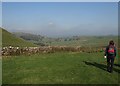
[{"x": 110, "y": 53}]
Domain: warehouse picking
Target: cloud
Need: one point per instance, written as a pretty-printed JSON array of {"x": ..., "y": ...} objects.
[{"x": 50, "y": 23}]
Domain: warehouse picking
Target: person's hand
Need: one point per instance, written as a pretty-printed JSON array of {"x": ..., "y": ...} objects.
[{"x": 104, "y": 56}]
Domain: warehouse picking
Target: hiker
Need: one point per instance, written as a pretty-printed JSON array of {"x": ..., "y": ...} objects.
[{"x": 110, "y": 53}]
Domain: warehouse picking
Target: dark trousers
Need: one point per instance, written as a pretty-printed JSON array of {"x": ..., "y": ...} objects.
[{"x": 110, "y": 62}]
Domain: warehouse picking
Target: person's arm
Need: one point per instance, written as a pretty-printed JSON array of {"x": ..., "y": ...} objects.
[
  {"x": 106, "y": 51},
  {"x": 115, "y": 52}
]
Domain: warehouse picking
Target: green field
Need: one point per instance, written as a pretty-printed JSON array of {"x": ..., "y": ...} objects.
[
  {"x": 87, "y": 41},
  {"x": 67, "y": 41},
  {"x": 59, "y": 68},
  {"x": 10, "y": 39},
  {"x": 0, "y": 71}
]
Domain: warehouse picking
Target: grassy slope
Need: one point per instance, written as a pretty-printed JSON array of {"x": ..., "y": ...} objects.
[
  {"x": 9, "y": 39},
  {"x": 66, "y": 68}
]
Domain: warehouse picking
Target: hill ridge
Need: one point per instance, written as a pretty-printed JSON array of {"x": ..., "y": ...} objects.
[{"x": 9, "y": 39}]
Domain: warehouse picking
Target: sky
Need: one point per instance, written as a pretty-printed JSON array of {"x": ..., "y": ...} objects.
[
  {"x": 0, "y": 14},
  {"x": 56, "y": 19},
  {"x": 60, "y": 0}
]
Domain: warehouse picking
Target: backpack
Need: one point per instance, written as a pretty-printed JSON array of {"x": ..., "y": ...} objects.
[{"x": 111, "y": 50}]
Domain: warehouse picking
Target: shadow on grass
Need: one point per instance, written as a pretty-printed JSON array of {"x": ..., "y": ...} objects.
[
  {"x": 118, "y": 65},
  {"x": 101, "y": 66}
]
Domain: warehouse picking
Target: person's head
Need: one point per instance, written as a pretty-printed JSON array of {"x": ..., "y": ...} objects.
[{"x": 111, "y": 42}]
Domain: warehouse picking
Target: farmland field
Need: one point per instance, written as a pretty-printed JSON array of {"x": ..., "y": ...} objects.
[{"x": 59, "y": 68}]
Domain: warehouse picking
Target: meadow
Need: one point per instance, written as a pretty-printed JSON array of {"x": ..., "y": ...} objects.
[{"x": 59, "y": 68}]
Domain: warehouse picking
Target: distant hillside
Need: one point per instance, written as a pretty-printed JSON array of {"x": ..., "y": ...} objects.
[
  {"x": 28, "y": 36},
  {"x": 10, "y": 39},
  {"x": 36, "y": 39},
  {"x": 68, "y": 41}
]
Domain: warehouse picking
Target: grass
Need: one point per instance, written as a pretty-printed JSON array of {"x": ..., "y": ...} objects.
[
  {"x": 58, "y": 68},
  {"x": 87, "y": 41},
  {"x": 9, "y": 39},
  {"x": 0, "y": 71}
]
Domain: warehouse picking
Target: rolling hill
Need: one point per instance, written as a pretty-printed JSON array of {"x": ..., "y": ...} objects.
[
  {"x": 68, "y": 41},
  {"x": 10, "y": 39},
  {"x": 28, "y": 36}
]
